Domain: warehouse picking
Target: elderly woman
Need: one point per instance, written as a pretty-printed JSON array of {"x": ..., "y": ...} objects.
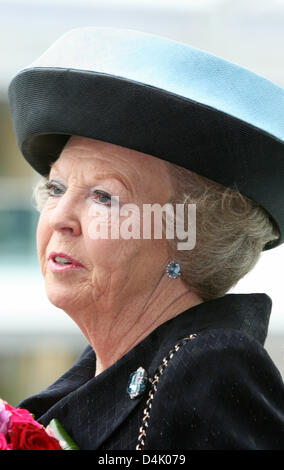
[{"x": 116, "y": 121}]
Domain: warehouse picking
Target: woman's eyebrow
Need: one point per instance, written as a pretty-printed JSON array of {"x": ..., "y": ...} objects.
[
  {"x": 115, "y": 176},
  {"x": 99, "y": 176}
]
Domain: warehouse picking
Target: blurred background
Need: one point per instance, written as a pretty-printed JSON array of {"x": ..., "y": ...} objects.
[{"x": 38, "y": 342}]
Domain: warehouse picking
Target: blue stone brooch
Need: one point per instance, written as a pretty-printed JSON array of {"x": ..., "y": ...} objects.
[{"x": 137, "y": 383}]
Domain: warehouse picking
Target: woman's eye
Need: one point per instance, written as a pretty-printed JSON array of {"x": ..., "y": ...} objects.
[
  {"x": 52, "y": 189},
  {"x": 102, "y": 197}
]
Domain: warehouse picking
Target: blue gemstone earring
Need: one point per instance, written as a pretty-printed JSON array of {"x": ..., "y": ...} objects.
[{"x": 173, "y": 270}]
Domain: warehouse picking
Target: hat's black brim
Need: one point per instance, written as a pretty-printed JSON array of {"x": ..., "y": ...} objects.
[{"x": 50, "y": 104}]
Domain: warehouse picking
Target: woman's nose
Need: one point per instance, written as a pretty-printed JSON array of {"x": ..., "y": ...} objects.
[{"x": 64, "y": 217}]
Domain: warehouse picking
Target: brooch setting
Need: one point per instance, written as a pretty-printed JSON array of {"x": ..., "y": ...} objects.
[{"x": 137, "y": 383}]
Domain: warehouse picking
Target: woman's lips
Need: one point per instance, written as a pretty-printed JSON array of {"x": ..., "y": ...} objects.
[{"x": 54, "y": 266}]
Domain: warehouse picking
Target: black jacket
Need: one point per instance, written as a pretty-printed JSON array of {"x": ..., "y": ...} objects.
[{"x": 219, "y": 391}]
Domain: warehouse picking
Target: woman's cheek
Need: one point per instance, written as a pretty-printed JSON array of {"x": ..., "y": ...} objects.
[
  {"x": 98, "y": 223},
  {"x": 42, "y": 237},
  {"x": 100, "y": 246},
  {"x": 105, "y": 240}
]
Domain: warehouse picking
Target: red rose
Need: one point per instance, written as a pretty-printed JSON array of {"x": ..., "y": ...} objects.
[
  {"x": 19, "y": 415},
  {"x": 3, "y": 443},
  {"x": 30, "y": 437}
]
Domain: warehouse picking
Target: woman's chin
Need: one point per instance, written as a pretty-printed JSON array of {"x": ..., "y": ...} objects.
[{"x": 60, "y": 296}]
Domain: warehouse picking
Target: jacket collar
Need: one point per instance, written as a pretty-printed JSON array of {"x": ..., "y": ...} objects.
[{"x": 79, "y": 400}]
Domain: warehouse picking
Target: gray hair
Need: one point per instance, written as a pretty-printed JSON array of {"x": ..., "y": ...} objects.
[
  {"x": 40, "y": 193},
  {"x": 231, "y": 231}
]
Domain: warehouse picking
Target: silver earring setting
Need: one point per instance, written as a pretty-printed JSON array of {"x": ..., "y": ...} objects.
[{"x": 173, "y": 270}]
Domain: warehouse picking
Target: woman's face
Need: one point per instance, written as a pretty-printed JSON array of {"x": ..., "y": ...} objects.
[{"x": 85, "y": 176}]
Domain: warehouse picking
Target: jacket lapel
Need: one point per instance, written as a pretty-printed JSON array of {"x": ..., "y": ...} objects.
[
  {"x": 92, "y": 412},
  {"x": 91, "y": 408}
]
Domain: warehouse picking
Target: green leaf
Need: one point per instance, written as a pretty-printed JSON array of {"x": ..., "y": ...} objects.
[{"x": 66, "y": 441}]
